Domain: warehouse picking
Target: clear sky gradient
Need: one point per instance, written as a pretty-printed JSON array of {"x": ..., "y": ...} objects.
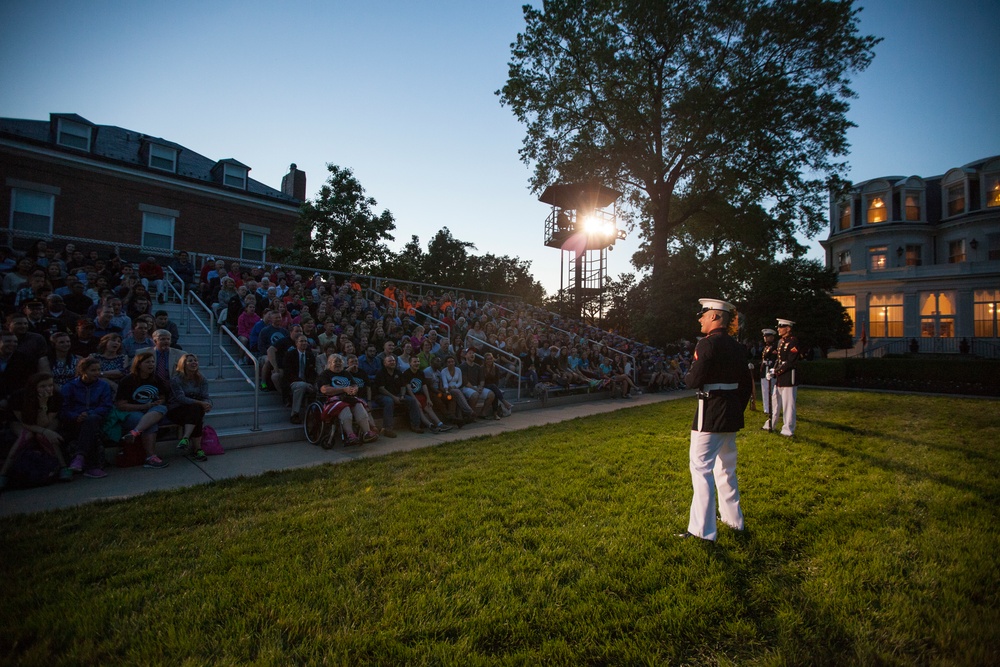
[{"x": 402, "y": 92}]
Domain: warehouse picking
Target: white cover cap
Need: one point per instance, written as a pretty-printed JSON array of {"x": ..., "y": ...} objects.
[
  {"x": 785, "y": 323},
  {"x": 716, "y": 304},
  {"x": 769, "y": 332}
]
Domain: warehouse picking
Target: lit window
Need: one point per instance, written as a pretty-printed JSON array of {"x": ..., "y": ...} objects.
[
  {"x": 876, "y": 210},
  {"x": 956, "y": 251},
  {"x": 992, "y": 190},
  {"x": 956, "y": 199},
  {"x": 937, "y": 314},
  {"x": 845, "y": 215},
  {"x": 73, "y": 135},
  {"x": 886, "y": 314},
  {"x": 878, "y": 257},
  {"x": 234, "y": 176},
  {"x": 912, "y": 206},
  {"x": 161, "y": 157},
  {"x": 157, "y": 231},
  {"x": 253, "y": 246},
  {"x": 914, "y": 255},
  {"x": 31, "y": 211},
  {"x": 986, "y": 307},
  {"x": 848, "y": 302},
  {"x": 844, "y": 260}
]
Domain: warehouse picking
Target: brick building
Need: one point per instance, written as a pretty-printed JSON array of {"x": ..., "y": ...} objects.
[{"x": 67, "y": 176}]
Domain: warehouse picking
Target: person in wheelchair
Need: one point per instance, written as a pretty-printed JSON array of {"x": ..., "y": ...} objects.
[{"x": 343, "y": 402}]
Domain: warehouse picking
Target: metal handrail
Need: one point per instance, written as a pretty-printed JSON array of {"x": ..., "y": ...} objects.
[
  {"x": 379, "y": 295},
  {"x": 256, "y": 371},
  {"x": 434, "y": 319},
  {"x": 210, "y": 328},
  {"x": 170, "y": 284},
  {"x": 512, "y": 356}
]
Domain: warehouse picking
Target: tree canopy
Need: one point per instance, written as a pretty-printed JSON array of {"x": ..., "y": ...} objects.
[
  {"x": 339, "y": 229},
  {"x": 681, "y": 103}
]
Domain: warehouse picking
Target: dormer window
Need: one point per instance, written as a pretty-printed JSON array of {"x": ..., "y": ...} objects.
[
  {"x": 73, "y": 135},
  {"x": 877, "y": 211},
  {"x": 912, "y": 206},
  {"x": 845, "y": 215},
  {"x": 163, "y": 157},
  {"x": 956, "y": 199},
  {"x": 992, "y": 189},
  {"x": 234, "y": 176}
]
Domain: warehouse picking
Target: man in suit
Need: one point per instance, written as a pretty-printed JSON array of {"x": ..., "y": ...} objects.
[
  {"x": 298, "y": 376},
  {"x": 166, "y": 357}
]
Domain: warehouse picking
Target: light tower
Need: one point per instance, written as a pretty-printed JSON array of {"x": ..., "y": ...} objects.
[{"x": 583, "y": 224}]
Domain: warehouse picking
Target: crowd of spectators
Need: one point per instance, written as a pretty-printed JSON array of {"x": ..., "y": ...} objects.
[
  {"x": 89, "y": 328},
  {"x": 87, "y": 359}
]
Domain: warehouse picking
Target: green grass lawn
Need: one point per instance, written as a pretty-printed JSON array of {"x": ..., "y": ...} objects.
[{"x": 872, "y": 539}]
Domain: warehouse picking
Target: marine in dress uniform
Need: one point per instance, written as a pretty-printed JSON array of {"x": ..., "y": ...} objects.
[
  {"x": 768, "y": 359},
  {"x": 785, "y": 380},
  {"x": 723, "y": 383}
]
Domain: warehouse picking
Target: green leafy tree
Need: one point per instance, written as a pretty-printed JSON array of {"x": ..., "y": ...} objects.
[
  {"x": 339, "y": 229},
  {"x": 679, "y": 102},
  {"x": 503, "y": 275},
  {"x": 407, "y": 265},
  {"x": 447, "y": 259}
]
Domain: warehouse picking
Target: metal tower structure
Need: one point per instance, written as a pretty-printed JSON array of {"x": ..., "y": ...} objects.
[{"x": 583, "y": 225}]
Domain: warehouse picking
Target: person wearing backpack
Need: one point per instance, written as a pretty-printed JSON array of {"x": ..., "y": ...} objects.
[{"x": 37, "y": 453}]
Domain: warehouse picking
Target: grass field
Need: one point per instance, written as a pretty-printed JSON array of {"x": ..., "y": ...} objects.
[{"x": 872, "y": 539}]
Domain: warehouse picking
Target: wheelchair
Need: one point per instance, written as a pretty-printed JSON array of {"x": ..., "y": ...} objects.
[{"x": 319, "y": 430}]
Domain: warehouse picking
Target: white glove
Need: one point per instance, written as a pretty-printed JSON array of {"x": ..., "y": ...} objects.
[{"x": 770, "y": 375}]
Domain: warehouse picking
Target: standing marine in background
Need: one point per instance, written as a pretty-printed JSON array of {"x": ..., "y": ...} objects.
[
  {"x": 785, "y": 378},
  {"x": 768, "y": 360},
  {"x": 721, "y": 378}
]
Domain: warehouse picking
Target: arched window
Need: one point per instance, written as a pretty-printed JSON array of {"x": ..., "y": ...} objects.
[{"x": 877, "y": 211}]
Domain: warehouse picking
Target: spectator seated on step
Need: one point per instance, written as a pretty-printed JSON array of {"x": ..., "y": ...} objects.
[
  {"x": 298, "y": 376},
  {"x": 151, "y": 275},
  {"x": 189, "y": 403},
  {"x": 144, "y": 395},
  {"x": 345, "y": 401},
  {"x": 390, "y": 393},
  {"x": 161, "y": 320}
]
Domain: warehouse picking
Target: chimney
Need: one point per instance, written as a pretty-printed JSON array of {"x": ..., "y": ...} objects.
[{"x": 293, "y": 183}]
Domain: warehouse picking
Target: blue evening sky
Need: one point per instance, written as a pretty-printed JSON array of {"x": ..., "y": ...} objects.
[{"x": 402, "y": 93}]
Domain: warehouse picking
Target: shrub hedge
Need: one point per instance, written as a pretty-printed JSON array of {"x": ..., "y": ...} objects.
[{"x": 946, "y": 375}]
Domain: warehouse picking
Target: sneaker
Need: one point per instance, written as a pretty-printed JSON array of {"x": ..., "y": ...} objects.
[
  {"x": 155, "y": 461},
  {"x": 130, "y": 437},
  {"x": 95, "y": 473},
  {"x": 183, "y": 443},
  {"x": 389, "y": 433},
  {"x": 77, "y": 464},
  {"x": 433, "y": 428},
  {"x": 199, "y": 455},
  {"x": 352, "y": 439},
  {"x": 444, "y": 428},
  {"x": 370, "y": 436},
  {"x": 65, "y": 475}
]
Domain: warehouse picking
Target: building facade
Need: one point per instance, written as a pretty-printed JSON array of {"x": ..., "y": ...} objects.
[
  {"x": 918, "y": 259},
  {"x": 70, "y": 177}
]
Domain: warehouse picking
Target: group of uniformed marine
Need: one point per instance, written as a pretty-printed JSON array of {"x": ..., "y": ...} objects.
[{"x": 723, "y": 384}]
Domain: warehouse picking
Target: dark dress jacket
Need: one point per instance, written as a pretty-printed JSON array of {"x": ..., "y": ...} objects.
[
  {"x": 788, "y": 360},
  {"x": 720, "y": 374}
]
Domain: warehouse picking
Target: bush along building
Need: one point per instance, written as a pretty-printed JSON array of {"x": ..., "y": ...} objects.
[
  {"x": 919, "y": 260},
  {"x": 67, "y": 176}
]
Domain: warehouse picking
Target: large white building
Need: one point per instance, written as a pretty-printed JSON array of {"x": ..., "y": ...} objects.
[{"x": 919, "y": 259}]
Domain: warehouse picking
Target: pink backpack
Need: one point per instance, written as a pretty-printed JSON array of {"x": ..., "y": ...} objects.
[{"x": 210, "y": 441}]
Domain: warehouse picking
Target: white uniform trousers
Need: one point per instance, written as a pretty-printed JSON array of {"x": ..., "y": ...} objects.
[
  {"x": 765, "y": 396},
  {"x": 784, "y": 400},
  {"x": 713, "y": 468},
  {"x": 775, "y": 406}
]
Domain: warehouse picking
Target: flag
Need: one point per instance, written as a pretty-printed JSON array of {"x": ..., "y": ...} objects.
[{"x": 864, "y": 336}]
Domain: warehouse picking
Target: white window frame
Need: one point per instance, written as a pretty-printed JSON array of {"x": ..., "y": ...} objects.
[
  {"x": 235, "y": 172},
  {"x": 164, "y": 153},
  {"x": 878, "y": 251},
  {"x": 956, "y": 187},
  {"x": 846, "y": 211},
  {"x": 244, "y": 247},
  {"x": 869, "y": 207},
  {"x": 991, "y": 189},
  {"x": 27, "y": 193},
  {"x": 964, "y": 254},
  {"x": 69, "y": 128},
  {"x": 841, "y": 264},
  {"x": 151, "y": 218}
]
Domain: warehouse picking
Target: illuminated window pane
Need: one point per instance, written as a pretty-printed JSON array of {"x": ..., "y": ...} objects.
[
  {"x": 912, "y": 206},
  {"x": 876, "y": 210},
  {"x": 914, "y": 255},
  {"x": 878, "y": 258},
  {"x": 845, "y": 215},
  {"x": 992, "y": 190},
  {"x": 848, "y": 302}
]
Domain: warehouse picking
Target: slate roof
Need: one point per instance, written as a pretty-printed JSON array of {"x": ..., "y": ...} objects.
[{"x": 123, "y": 147}]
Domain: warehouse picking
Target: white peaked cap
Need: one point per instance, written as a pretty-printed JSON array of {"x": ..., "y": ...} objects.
[
  {"x": 717, "y": 304},
  {"x": 769, "y": 332},
  {"x": 785, "y": 323}
]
